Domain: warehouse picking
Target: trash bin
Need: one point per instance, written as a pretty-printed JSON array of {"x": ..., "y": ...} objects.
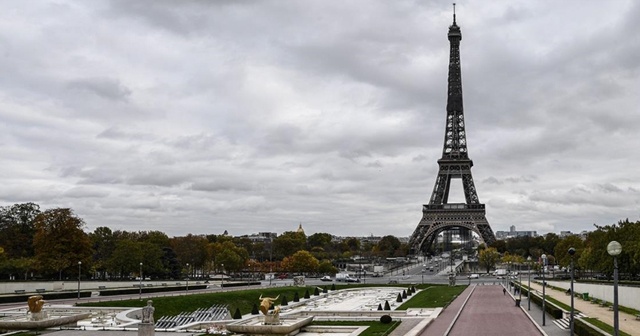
[
  {"x": 517, "y": 302},
  {"x": 585, "y": 296}
]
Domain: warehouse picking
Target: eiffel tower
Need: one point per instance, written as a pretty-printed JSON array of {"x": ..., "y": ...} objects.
[{"x": 439, "y": 215}]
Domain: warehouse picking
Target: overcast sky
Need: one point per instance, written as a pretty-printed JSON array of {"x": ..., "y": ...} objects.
[{"x": 249, "y": 116}]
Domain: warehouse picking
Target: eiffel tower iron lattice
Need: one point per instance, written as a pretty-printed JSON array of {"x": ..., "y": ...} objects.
[{"x": 440, "y": 215}]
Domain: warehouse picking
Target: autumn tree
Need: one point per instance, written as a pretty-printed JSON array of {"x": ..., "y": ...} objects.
[
  {"x": 488, "y": 258},
  {"x": 60, "y": 242},
  {"x": 301, "y": 262}
]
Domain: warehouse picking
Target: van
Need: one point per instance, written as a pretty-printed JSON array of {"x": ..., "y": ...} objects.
[{"x": 474, "y": 276}]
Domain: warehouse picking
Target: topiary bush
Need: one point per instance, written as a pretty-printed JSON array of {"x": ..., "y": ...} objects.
[
  {"x": 296, "y": 297},
  {"x": 254, "y": 309},
  {"x": 306, "y": 294},
  {"x": 399, "y": 299},
  {"x": 316, "y": 291},
  {"x": 284, "y": 301},
  {"x": 386, "y": 305},
  {"x": 385, "y": 319},
  {"x": 237, "y": 315}
]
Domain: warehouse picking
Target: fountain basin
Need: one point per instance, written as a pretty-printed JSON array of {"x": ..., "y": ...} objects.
[
  {"x": 53, "y": 321},
  {"x": 255, "y": 326}
]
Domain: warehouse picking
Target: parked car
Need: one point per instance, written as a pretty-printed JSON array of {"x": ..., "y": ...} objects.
[
  {"x": 350, "y": 279},
  {"x": 326, "y": 278}
]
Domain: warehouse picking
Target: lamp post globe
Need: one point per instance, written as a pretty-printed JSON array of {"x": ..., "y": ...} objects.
[{"x": 614, "y": 249}]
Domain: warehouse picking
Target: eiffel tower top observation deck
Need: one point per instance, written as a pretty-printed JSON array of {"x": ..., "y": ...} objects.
[{"x": 440, "y": 215}]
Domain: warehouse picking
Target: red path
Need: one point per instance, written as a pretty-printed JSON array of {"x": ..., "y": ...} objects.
[{"x": 488, "y": 312}]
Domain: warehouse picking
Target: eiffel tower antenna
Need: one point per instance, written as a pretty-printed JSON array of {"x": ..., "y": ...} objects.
[
  {"x": 441, "y": 216},
  {"x": 454, "y": 13}
]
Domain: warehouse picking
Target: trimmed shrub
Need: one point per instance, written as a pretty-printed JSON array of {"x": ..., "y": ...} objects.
[
  {"x": 333, "y": 286},
  {"x": 306, "y": 294},
  {"x": 386, "y": 305},
  {"x": 404, "y": 294},
  {"x": 284, "y": 301},
  {"x": 379, "y": 306},
  {"x": 254, "y": 309},
  {"x": 237, "y": 315},
  {"x": 296, "y": 297},
  {"x": 385, "y": 319},
  {"x": 399, "y": 299},
  {"x": 316, "y": 291}
]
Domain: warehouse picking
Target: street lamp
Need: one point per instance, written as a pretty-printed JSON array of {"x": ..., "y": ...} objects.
[
  {"x": 614, "y": 249},
  {"x": 140, "y": 284},
  {"x": 544, "y": 286},
  {"x": 529, "y": 283},
  {"x": 188, "y": 277},
  {"x": 572, "y": 251},
  {"x": 222, "y": 276},
  {"x": 79, "y": 272}
]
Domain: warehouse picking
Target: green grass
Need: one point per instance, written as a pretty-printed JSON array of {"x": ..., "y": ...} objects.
[
  {"x": 603, "y": 326},
  {"x": 376, "y": 328},
  {"x": 433, "y": 296},
  {"x": 242, "y": 299}
]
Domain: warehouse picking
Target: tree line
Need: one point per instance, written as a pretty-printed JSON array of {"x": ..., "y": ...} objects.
[
  {"x": 591, "y": 251},
  {"x": 53, "y": 244}
]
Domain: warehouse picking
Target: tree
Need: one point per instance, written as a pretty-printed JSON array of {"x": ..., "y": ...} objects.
[
  {"x": 488, "y": 258},
  {"x": 103, "y": 242},
  {"x": 326, "y": 267},
  {"x": 387, "y": 246},
  {"x": 562, "y": 250},
  {"x": 17, "y": 229},
  {"x": 192, "y": 250},
  {"x": 288, "y": 243},
  {"x": 301, "y": 262},
  {"x": 60, "y": 242}
]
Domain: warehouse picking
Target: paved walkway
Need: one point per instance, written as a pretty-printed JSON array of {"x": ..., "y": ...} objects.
[
  {"x": 628, "y": 322},
  {"x": 488, "y": 311}
]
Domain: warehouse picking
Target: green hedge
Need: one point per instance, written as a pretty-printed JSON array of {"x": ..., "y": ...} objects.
[
  {"x": 550, "y": 307},
  {"x": 136, "y": 290},
  {"x": 582, "y": 329},
  {"x": 45, "y": 296}
]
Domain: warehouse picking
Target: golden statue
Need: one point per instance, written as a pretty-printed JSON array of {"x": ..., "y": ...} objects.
[
  {"x": 265, "y": 304},
  {"x": 35, "y": 303}
]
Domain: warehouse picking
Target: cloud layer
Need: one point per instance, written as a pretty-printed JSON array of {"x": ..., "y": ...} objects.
[{"x": 205, "y": 116}]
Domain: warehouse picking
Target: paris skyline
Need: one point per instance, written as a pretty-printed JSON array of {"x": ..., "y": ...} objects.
[{"x": 199, "y": 117}]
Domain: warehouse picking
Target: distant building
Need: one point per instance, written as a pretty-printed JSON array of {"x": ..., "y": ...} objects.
[{"x": 513, "y": 233}]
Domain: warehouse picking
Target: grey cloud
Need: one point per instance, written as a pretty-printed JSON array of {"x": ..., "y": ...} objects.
[{"x": 106, "y": 88}]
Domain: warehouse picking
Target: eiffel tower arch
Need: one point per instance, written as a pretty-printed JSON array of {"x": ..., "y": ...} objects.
[{"x": 440, "y": 216}]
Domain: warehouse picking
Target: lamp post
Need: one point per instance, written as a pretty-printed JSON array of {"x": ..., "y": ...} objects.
[
  {"x": 222, "y": 277},
  {"x": 614, "y": 249},
  {"x": 529, "y": 283},
  {"x": 188, "y": 277},
  {"x": 140, "y": 284},
  {"x": 520, "y": 280},
  {"x": 572, "y": 251},
  {"x": 544, "y": 286},
  {"x": 79, "y": 272}
]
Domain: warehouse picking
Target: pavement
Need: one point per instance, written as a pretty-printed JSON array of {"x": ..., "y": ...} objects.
[{"x": 627, "y": 322}]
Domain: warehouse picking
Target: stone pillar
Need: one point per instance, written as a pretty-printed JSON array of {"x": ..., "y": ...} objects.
[{"x": 146, "y": 329}]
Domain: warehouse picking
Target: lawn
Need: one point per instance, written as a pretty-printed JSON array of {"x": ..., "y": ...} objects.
[
  {"x": 240, "y": 299},
  {"x": 433, "y": 296}
]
